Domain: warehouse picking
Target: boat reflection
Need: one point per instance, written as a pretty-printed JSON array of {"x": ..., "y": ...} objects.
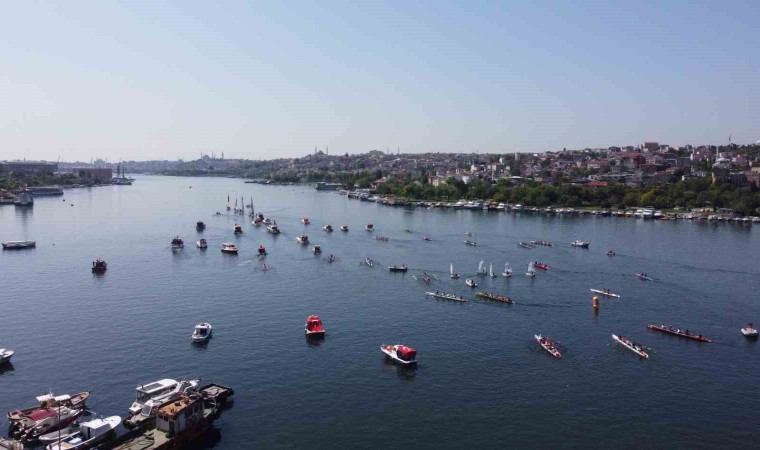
[
  {"x": 405, "y": 372},
  {"x": 6, "y": 367}
]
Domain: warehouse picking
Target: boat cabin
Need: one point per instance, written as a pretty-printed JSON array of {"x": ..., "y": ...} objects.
[
  {"x": 155, "y": 389},
  {"x": 314, "y": 325},
  {"x": 406, "y": 353},
  {"x": 180, "y": 415}
]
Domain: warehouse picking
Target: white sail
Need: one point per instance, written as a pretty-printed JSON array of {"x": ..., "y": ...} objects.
[
  {"x": 482, "y": 268},
  {"x": 507, "y": 269},
  {"x": 531, "y": 269},
  {"x": 451, "y": 268},
  {"x": 490, "y": 271}
]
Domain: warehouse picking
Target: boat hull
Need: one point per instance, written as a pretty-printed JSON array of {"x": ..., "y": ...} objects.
[{"x": 676, "y": 333}]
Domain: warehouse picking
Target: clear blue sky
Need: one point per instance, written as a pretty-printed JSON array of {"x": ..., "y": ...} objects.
[{"x": 146, "y": 79}]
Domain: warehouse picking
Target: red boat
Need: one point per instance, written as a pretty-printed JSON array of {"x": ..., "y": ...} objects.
[
  {"x": 678, "y": 332},
  {"x": 400, "y": 353},
  {"x": 314, "y": 327},
  {"x": 541, "y": 266}
]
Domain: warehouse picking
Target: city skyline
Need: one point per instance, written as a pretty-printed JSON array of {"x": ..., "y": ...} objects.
[{"x": 142, "y": 81}]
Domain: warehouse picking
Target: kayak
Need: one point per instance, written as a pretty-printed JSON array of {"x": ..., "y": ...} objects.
[
  {"x": 445, "y": 296},
  {"x": 548, "y": 345},
  {"x": 603, "y": 292},
  {"x": 678, "y": 332},
  {"x": 630, "y": 346}
]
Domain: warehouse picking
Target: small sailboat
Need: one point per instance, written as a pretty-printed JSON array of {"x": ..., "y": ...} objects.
[
  {"x": 482, "y": 268},
  {"x": 454, "y": 276},
  {"x": 507, "y": 271},
  {"x": 490, "y": 271},
  {"x": 531, "y": 270}
]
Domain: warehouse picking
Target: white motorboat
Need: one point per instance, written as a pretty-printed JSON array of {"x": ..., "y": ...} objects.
[
  {"x": 749, "y": 331},
  {"x": 202, "y": 332},
  {"x": 237, "y": 229},
  {"x": 303, "y": 240},
  {"x": 507, "y": 271},
  {"x": 58, "y": 435},
  {"x": 273, "y": 229},
  {"x": 606, "y": 292},
  {"x": 18, "y": 245},
  {"x": 202, "y": 244},
  {"x": 400, "y": 354},
  {"x": 471, "y": 283},
  {"x": 229, "y": 247},
  {"x": 90, "y": 433},
  {"x": 5, "y": 355},
  {"x": 580, "y": 244},
  {"x": 151, "y": 396},
  {"x": 148, "y": 391},
  {"x": 328, "y": 228}
]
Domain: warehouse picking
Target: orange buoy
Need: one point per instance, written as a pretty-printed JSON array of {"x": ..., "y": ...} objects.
[{"x": 596, "y": 302}]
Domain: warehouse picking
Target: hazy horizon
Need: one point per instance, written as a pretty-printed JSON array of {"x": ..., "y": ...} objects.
[{"x": 162, "y": 81}]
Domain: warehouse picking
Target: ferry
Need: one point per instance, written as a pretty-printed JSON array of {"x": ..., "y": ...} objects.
[
  {"x": 313, "y": 327},
  {"x": 548, "y": 345},
  {"x": 401, "y": 354},
  {"x": 229, "y": 247},
  {"x": 446, "y": 296},
  {"x": 630, "y": 345},
  {"x": 678, "y": 332},
  {"x": 494, "y": 297}
]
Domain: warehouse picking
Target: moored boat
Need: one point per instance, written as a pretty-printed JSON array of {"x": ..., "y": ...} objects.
[
  {"x": 494, "y": 297},
  {"x": 401, "y": 354},
  {"x": 90, "y": 433},
  {"x": 630, "y": 345},
  {"x": 202, "y": 244},
  {"x": 60, "y": 434},
  {"x": 606, "y": 292},
  {"x": 678, "y": 332},
  {"x": 229, "y": 247},
  {"x": 43, "y": 421},
  {"x": 18, "y": 245},
  {"x": 202, "y": 332},
  {"x": 401, "y": 268},
  {"x": 548, "y": 345},
  {"x": 446, "y": 296},
  {"x": 151, "y": 396},
  {"x": 50, "y": 400},
  {"x": 314, "y": 327},
  {"x": 471, "y": 283},
  {"x": 99, "y": 266}
]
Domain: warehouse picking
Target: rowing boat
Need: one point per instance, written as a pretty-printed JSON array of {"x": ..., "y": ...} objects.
[
  {"x": 547, "y": 345},
  {"x": 541, "y": 266},
  {"x": 678, "y": 332},
  {"x": 644, "y": 277},
  {"x": 605, "y": 292},
  {"x": 494, "y": 297},
  {"x": 524, "y": 245},
  {"x": 473, "y": 243},
  {"x": 445, "y": 296},
  {"x": 630, "y": 346}
]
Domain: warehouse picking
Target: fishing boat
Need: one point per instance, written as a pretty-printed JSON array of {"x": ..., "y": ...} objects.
[
  {"x": 482, "y": 268},
  {"x": 200, "y": 226},
  {"x": 369, "y": 261},
  {"x": 262, "y": 251},
  {"x": 471, "y": 283},
  {"x": 678, "y": 332},
  {"x": 630, "y": 345},
  {"x": 525, "y": 245},
  {"x": 606, "y": 292},
  {"x": 303, "y": 239},
  {"x": 5, "y": 355},
  {"x": 49, "y": 400},
  {"x": 401, "y": 268},
  {"x": 644, "y": 277},
  {"x": 531, "y": 272},
  {"x": 749, "y": 332},
  {"x": 328, "y": 228},
  {"x": 18, "y": 245},
  {"x": 305, "y": 221},
  {"x": 177, "y": 243},
  {"x": 401, "y": 354},
  {"x": 472, "y": 243},
  {"x": 316, "y": 249},
  {"x": 99, "y": 266},
  {"x": 202, "y": 244},
  {"x": 610, "y": 253},
  {"x": 446, "y": 296},
  {"x": 580, "y": 244},
  {"x": 229, "y": 247},
  {"x": 43, "y": 421},
  {"x": 273, "y": 229},
  {"x": 494, "y": 297},
  {"x": 548, "y": 345},
  {"x": 507, "y": 271},
  {"x": 344, "y": 228},
  {"x": 369, "y": 227},
  {"x": 313, "y": 327},
  {"x": 454, "y": 276},
  {"x": 90, "y": 433},
  {"x": 202, "y": 332},
  {"x": 237, "y": 229}
]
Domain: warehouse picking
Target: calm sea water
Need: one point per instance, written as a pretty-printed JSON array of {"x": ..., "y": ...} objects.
[{"x": 481, "y": 381}]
